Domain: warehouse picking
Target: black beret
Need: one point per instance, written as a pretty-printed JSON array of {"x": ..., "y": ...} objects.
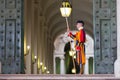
[{"x": 80, "y": 21}]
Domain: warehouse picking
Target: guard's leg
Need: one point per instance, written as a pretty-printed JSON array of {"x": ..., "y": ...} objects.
[{"x": 82, "y": 68}]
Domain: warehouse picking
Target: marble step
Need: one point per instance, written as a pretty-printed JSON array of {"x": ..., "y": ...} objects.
[{"x": 57, "y": 77}]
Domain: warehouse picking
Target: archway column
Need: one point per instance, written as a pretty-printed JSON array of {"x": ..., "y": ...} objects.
[
  {"x": 87, "y": 65},
  {"x": 62, "y": 65},
  {"x": 62, "y": 62},
  {"x": 117, "y": 63},
  {"x": 54, "y": 67}
]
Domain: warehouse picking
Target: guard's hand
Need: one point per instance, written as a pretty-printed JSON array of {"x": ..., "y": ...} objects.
[
  {"x": 77, "y": 48},
  {"x": 69, "y": 34}
]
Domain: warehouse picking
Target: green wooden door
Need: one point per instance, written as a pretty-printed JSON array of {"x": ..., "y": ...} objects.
[
  {"x": 105, "y": 35},
  {"x": 11, "y": 36}
]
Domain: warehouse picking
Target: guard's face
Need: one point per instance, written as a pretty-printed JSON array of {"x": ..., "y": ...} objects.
[{"x": 79, "y": 25}]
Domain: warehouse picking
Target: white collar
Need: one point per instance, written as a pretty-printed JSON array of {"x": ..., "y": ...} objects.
[{"x": 80, "y": 28}]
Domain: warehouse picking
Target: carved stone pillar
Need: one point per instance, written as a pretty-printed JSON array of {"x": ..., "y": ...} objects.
[
  {"x": 62, "y": 65},
  {"x": 87, "y": 65},
  {"x": 54, "y": 67},
  {"x": 117, "y": 63}
]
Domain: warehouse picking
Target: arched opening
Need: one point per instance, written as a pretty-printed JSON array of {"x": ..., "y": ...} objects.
[{"x": 62, "y": 48}]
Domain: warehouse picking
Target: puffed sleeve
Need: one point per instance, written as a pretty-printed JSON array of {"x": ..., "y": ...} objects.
[{"x": 82, "y": 36}]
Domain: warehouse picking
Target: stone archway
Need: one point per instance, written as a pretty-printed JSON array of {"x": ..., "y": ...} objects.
[{"x": 59, "y": 45}]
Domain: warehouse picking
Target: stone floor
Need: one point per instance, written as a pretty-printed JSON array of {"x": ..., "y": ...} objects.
[{"x": 56, "y": 77}]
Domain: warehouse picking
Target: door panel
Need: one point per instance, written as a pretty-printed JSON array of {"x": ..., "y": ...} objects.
[
  {"x": 105, "y": 35},
  {"x": 11, "y": 36}
]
